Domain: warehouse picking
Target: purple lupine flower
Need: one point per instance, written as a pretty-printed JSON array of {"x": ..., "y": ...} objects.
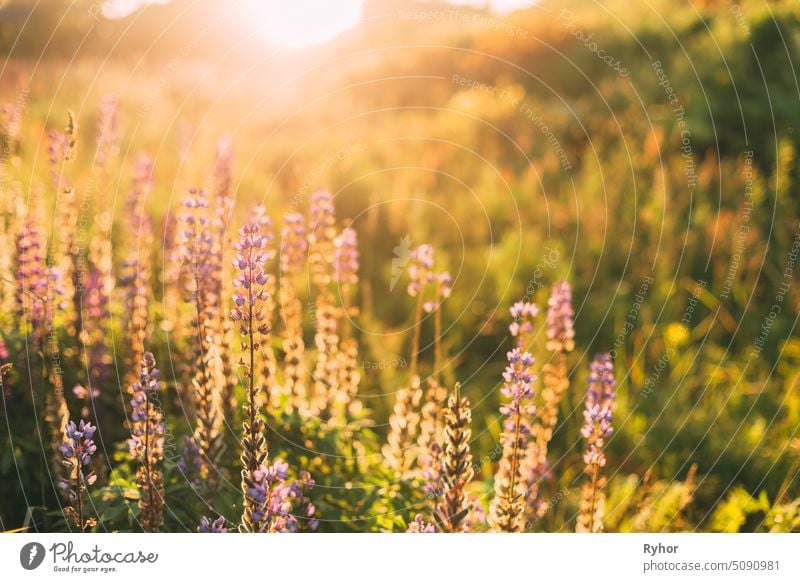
[
  {"x": 294, "y": 242},
  {"x": 269, "y": 493},
  {"x": 420, "y": 271},
  {"x": 309, "y": 511},
  {"x": 418, "y": 525},
  {"x": 142, "y": 184},
  {"x": 191, "y": 462},
  {"x": 196, "y": 239},
  {"x": 250, "y": 281},
  {"x": 216, "y": 526},
  {"x": 430, "y": 459},
  {"x": 79, "y": 444},
  {"x": 443, "y": 289},
  {"x": 322, "y": 209},
  {"x": 322, "y": 230},
  {"x": 600, "y": 398},
  {"x": 147, "y": 442},
  {"x": 518, "y": 379},
  {"x": 445, "y": 284},
  {"x": 147, "y": 423},
  {"x": 346, "y": 265},
  {"x": 3, "y": 350},
  {"x": 95, "y": 310},
  {"x": 560, "y": 331},
  {"x": 10, "y": 115},
  {"x": 77, "y": 450},
  {"x": 522, "y": 313},
  {"x": 31, "y": 274},
  {"x": 265, "y": 229},
  {"x": 279, "y": 501}
]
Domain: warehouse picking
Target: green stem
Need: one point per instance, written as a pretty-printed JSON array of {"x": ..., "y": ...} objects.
[
  {"x": 416, "y": 334},
  {"x": 79, "y": 489},
  {"x": 515, "y": 464},
  {"x": 438, "y": 357}
]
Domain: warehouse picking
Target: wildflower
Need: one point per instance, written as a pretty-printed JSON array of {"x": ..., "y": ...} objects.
[
  {"x": 216, "y": 526},
  {"x": 31, "y": 275},
  {"x": 560, "y": 332},
  {"x": 453, "y": 507},
  {"x": 274, "y": 499},
  {"x": 267, "y": 363},
  {"x": 322, "y": 262},
  {"x": 147, "y": 442},
  {"x": 191, "y": 463},
  {"x": 420, "y": 271},
  {"x": 518, "y": 382},
  {"x": 429, "y": 442},
  {"x": 77, "y": 450},
  {"x": 293, "y": 250},
  {"x": 322, "y": 231},
  {"x": 327, "y": 372},
  {"x": 294, "y": 244},
  {"x": 95, "y": 311},
  {"x": 346, "y": 265},
  {"x": 522, "y": 313},
  {"x": 508, "y": 505},
  {"x": 596, "y": 430},
  {"x": 418, "y": 525},
  {"x": 201, "y": 259},
  {"x": 248, "y": 311},
  {"x": 399, "y": 451},
  {"x": 555, "y": 381}
]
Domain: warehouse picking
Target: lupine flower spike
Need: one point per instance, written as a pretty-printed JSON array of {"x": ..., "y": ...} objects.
[
  {"x": 430, "y": 441},
  {"x": 293, "y": 248},
  {"x": 508, "y": 505},
  {"x": 147, "y": 443},
  {"x": 76, "y": 452},
  {"x": 200, "y": 257},
  {"x": 457, "y": 471},
  {"x": 248, "y": 311},
  {"x": 596, "y": 430},
  {"x": 400, "y": 450},
  {"x": 346, "y": 278},
  {"x": 555, "y": 381},
  {"x": 322, "y": 259}
]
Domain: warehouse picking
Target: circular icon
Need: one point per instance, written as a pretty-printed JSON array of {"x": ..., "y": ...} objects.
[{"x": 31, "y": 555}]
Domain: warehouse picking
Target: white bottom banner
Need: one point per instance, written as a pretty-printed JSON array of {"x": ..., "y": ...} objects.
[{"x": 374, "y": 557}]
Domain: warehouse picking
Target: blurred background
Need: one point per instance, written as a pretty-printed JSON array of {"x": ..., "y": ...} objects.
[{"x": 644, "y": 151}]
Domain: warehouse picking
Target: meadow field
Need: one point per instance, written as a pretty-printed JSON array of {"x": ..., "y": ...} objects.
[{"x": 453, "y": 270}]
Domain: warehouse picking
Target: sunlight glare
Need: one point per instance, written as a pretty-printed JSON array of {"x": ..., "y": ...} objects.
[{"x": 303, "y": 23}]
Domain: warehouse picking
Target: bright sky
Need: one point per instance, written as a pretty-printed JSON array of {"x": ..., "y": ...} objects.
[{"x": 300, "y": 23}]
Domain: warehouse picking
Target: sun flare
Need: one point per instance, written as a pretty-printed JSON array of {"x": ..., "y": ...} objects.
[{"x": 304, "y": 23}]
